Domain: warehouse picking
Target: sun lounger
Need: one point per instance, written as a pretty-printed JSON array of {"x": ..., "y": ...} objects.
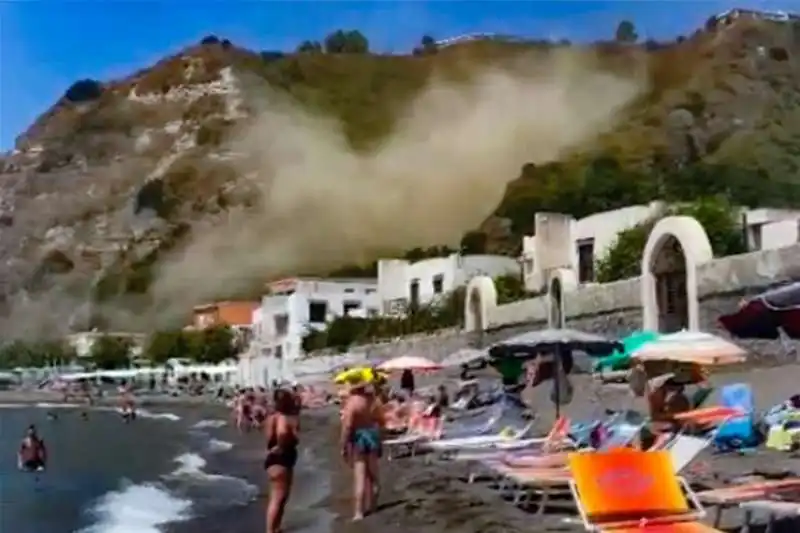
[
  {"x": 526, "y": 483},
  {"x": 622, "y": 434},
  {"x": 736, "y": 495},
  {"x": 707, "y": 417},
  {"x": 556, "y": 438},
  {"x": 421, "y": 429},
  {"x": 627, "y": 491},
  {"x": 478, "y": 441},
  {"x": 775, "y": 510}
]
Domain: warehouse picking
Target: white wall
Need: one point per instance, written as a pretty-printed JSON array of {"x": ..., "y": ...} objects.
[
  {"x": 395, "y": 276},
  {"x": 769, "y": 228},
  {"x": 780, "y": 234},
  {"x": 766, "y": 228},
  {"x": 555, "y": 244}
]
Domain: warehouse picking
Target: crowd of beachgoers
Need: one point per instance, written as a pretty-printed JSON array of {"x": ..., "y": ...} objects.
[
  {"x": 475, "y": 437},
  {"x": 411, "y": 444}
]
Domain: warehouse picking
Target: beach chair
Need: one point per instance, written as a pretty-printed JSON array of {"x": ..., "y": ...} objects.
[
  {"x": 626, "y": 491},
  {"x": 543, "y": 482},
  {"x": 517, "y": 440},
  {"x": 621, "y": 434},
  {"x": 725, "y": 498},
  {"x": 774, "y": 510},
  {"x": 420, "y": 429}
]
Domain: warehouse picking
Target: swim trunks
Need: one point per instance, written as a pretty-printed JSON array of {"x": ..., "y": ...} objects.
[
  {"x": 33, "y": 465},
  {"x": 366, "y": 441}
]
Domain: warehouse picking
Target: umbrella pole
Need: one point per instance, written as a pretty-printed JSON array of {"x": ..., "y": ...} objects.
[{"x": 556, "y": 364}]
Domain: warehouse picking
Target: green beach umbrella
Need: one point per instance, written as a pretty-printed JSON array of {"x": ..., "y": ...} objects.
[{"x": 620, "y": 360}]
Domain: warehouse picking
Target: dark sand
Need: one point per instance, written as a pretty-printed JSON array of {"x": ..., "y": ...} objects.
[{"x": 435, "y": 498}]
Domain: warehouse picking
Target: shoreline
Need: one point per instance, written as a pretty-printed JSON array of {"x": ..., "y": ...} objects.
[{"x": 29, "y": 398}]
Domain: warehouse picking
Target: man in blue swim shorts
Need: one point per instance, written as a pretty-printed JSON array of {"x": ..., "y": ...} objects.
[{"x": 361, "y": 445}]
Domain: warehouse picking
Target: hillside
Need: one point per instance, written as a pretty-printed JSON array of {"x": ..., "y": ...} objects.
[{"x": 130, "y": 200}]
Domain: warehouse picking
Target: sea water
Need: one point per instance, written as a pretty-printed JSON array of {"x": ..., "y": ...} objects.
[{"x": 106, "y": 476}]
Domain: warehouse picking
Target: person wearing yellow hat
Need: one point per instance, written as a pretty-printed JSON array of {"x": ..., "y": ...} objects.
[{"x": 361, "y": 441}]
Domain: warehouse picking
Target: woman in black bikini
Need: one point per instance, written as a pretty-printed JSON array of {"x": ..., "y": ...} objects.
[{"x": 281, "y": 429}]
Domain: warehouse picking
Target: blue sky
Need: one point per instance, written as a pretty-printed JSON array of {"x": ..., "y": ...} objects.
[{"x": 45, "y": 45}]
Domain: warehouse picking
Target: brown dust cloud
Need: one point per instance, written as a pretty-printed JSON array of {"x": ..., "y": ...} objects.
[{"x": 441, "y": 172}]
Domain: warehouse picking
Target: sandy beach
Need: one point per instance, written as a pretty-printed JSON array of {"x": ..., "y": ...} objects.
[{"x": 435, "y": 497}]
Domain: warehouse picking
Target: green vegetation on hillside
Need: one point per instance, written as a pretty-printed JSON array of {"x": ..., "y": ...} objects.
[{"x": 691, "y": 135}]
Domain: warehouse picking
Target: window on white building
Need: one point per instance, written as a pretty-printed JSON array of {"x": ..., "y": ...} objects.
[
  {"x": 585, "y": 260},
  {"x": 350, "y": 306},
  {"x": 372, "y": 312},
  {"x": 528, "y": 266},
  {"x": 438, "y": 284},
  {"x": 370, "y": 291},
  {"x": 281, "y": 325},
  {"x": 317, "y": 312},
  {"x": 349, "y": 290},
  {"x": 755, "y": 237},
  {"x": 279, "y": 352},
  {"x": 413, "y": 290}
]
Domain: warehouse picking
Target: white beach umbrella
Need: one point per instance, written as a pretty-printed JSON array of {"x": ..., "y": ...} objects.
[
  {"x": 690, "y": 347},
  {"x": 464, "y": 356},
  {"x": 409, "y": 362}
]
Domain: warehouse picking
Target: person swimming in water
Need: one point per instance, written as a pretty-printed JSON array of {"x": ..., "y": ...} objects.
[
  {"x": 361, "y": 445},
  {"x": 281, "y": 430},
  {"x": 32, "y": 455}
]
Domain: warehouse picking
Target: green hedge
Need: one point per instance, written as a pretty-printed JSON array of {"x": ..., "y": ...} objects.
[{"x": 344, "y": 332}]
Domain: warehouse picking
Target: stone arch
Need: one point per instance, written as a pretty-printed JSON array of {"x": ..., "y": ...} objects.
[
  {"x": 674, "y": 249},
  {"x": 480, "y": 301},
  {"x": 561, "y": 280}
]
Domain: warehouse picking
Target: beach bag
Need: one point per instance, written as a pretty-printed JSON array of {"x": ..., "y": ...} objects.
[{"x": 738, "y": 433}]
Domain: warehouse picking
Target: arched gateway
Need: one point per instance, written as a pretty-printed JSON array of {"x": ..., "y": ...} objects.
[
  {"x": 480, "y": 301},
  {"x": 674, "y": 249}
]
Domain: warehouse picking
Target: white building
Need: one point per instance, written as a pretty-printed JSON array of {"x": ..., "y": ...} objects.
[
  {"x": 404, "y": 283},
  {"x": 562, "y": 242},
  {"x": 292, "y": 308}
]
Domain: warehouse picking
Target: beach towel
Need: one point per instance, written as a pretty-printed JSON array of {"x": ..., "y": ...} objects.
[{"x": 740, "y": 432}]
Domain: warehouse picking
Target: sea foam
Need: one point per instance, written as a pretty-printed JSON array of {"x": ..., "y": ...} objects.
[{"x": 137, "y": 509}]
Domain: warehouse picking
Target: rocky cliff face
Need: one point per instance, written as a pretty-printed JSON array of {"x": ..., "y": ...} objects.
[{"x": 217, "y": 167}]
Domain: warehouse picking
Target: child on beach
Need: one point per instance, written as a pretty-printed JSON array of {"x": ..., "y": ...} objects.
[{"x": 281, "y": 430}]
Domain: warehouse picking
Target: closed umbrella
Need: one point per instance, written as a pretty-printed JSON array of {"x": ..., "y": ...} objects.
[
  {"x": 695, "y": 347},
  {"x": 764, "y": 316},
  {"x": 409, "y": 362}
]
